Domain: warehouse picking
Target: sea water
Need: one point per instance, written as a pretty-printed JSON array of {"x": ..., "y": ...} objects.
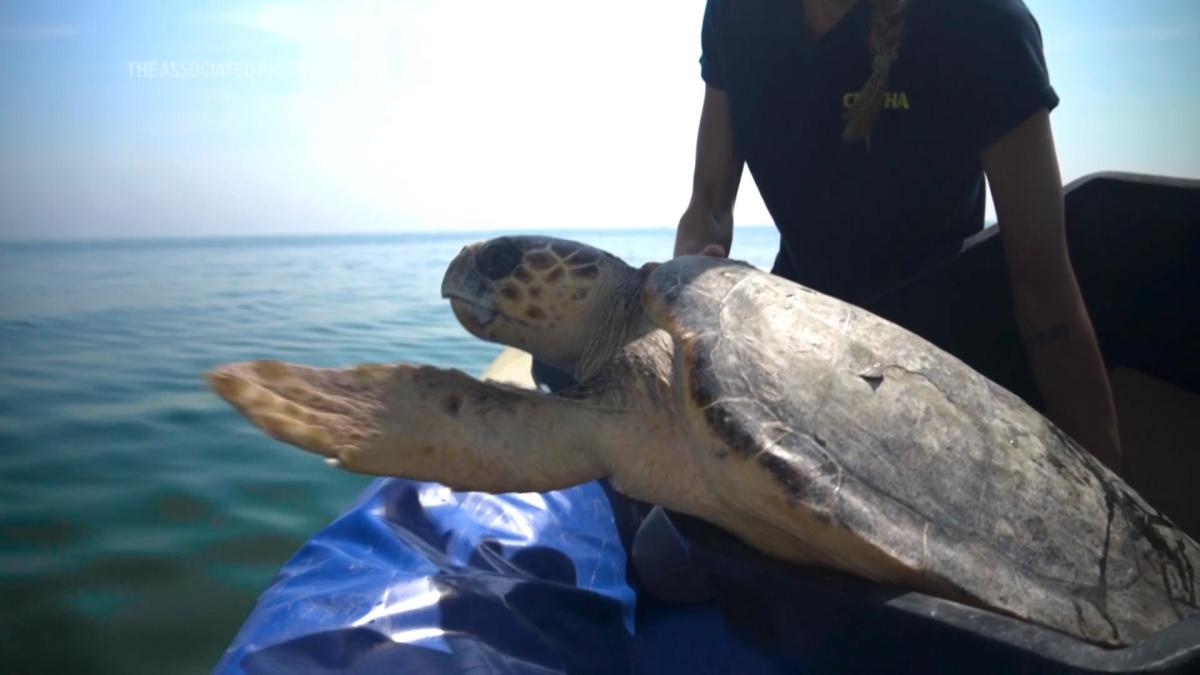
[{"x": 140, "y": 516}]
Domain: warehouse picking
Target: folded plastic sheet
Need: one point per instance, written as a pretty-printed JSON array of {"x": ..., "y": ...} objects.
[{"x": 415, "y": 577}]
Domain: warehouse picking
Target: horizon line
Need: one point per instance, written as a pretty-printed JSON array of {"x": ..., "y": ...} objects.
[{"x": 183, "y": 238}]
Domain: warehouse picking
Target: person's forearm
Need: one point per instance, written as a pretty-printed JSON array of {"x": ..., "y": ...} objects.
[
  {"x": 701, "y": 227},
  {"x": 1022, "y": 169},
  {"x": 1066, "y": 361},
  {"x": 708, "y": 221}
]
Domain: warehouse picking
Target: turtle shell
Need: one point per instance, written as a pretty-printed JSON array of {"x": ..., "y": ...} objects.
[{"x": 836, "y": 427}]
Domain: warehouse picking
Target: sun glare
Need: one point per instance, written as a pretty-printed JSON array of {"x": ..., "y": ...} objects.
[{"x": 477, "y": 114}]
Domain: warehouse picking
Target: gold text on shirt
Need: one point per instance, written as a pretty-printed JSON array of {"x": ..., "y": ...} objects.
[{"x": 892, "y": 100}]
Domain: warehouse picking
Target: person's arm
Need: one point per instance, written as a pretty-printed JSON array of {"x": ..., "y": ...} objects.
[
  {"x": 1022, "y": 168},
  {"x": 707, "y": 225}
]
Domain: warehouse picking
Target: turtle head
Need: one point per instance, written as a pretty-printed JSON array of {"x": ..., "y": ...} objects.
[{"x": 570, "y": 305}]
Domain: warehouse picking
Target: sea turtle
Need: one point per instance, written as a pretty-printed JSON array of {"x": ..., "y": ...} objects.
[{"x": 809, "y": 428}]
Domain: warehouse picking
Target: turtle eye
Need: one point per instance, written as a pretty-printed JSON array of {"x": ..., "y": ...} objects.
[{"x": 498, "y": 259}]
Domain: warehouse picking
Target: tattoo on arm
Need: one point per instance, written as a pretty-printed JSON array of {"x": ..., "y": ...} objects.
[{"x": 1050, "y": 335}]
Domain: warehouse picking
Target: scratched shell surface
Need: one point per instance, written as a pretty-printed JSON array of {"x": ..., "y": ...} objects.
[{"x": 880, "y": 432}]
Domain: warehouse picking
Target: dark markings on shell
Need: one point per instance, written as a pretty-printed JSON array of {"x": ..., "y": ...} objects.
[
  {"x": 1058, "y": 466},
  {"x": 873, "y": 380},
  {"x": 511, "y": 292},
  {"x": 540, "y": 260},
  {"x": 726, "y": 426},
  {"x": 1111, "y": 505},
  {"x": 1169, "y": 558},
  {"x": 699, "y": 368},
  {"x": 1173, "y": 557},
  {"x": 1191, "y": 573},
  {"x": 522, "y": 275},
  {"x": 535, "y": 292},
  {"x": 1100, "y": 594},
  {"x": 535, "y": 312},
  {"x": 787, "y": 477},
  {"x": 586, "y": 272},
  {"x": 555, "y": 275},
  {"x": 453, "y": 404}
]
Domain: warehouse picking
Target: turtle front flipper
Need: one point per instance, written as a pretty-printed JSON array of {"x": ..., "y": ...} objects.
[{"x": 422, "y": 423}]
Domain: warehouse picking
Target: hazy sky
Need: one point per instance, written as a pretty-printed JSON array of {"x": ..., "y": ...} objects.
[{"x": 211, "y": 117}]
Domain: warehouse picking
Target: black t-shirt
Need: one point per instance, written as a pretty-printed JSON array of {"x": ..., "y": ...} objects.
[{"x": 855, "y": 219}]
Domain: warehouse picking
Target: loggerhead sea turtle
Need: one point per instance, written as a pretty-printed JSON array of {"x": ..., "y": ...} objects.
[{"x": 811, "y": 429}]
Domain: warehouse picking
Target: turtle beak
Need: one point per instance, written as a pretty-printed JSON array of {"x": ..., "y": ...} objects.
[
  {"x": 473, "y": 317},
  {"x": 470, "y": 295},
  {"x": 459, "y": 278}
]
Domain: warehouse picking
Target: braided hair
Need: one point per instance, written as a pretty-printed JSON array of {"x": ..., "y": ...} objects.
[{"x": 887, "y": 31}]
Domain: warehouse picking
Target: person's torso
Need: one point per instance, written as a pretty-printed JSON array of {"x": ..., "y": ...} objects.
[{"x": 854, "y": 217}]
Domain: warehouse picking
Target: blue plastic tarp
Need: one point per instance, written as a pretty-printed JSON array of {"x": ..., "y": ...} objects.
[{"x": 416, "y": 576}]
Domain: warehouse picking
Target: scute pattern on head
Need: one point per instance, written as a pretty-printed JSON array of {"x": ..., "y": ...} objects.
[
  {"x": 541, "y": 260},
  {"x": 547, "y": 278},
  {"x": 564, "y": 302}
]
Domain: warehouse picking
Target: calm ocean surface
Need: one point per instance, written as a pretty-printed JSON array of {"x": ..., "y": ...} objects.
[{"x": 140, "y": 517}]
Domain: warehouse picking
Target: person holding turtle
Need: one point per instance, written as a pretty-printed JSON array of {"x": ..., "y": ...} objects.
[{"x": 869, "y": 127}]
